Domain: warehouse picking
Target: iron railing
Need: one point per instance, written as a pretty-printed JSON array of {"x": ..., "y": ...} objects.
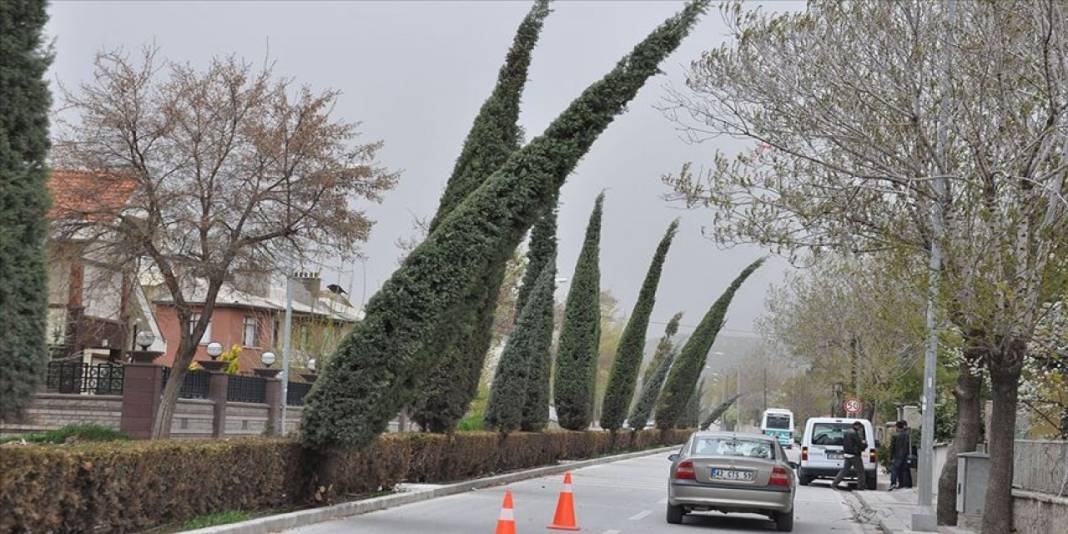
[
  {"x": 194, "y": 386},
  {"x": 296, "y": 392},
  {"x": 74, "y": 376},
  {"x": 246, "y": 389}
]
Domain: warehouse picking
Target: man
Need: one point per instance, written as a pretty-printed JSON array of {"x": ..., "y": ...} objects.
[
  {"x": 853, "y": 446},
  {"x": 900, "y": 447}
]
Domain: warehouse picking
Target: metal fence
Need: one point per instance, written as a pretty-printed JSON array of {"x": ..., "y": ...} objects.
[
  {"x": 246, "y": 389},
  {"x": 1041, "y": 466},
  {"x": 74, "y": 376},
  {"x": 194, "y": 386},
  {"x": 296, "y": 392}
]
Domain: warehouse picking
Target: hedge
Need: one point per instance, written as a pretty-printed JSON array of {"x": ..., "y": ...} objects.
[{"x": 131, "y": 486}]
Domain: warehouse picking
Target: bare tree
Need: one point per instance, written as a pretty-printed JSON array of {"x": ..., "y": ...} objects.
[
  {"x": 895, "y": 126},
  {"x": 235, "y": 170}
]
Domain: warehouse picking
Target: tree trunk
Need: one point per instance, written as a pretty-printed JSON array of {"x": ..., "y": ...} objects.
[
  {"x": 161, "y": 426},
  {"x": 966, "y": 438},
  {"x": 1004, "y": 384}
]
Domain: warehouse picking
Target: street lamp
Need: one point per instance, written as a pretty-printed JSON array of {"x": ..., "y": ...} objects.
[
  {"x": 214, "y": 349},
  {"x": 145, "y": 339},
  {"x": 267, "y": 358}
]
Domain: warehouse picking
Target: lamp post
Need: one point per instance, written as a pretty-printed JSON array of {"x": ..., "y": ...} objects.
[
  {"x": 214, "y": 349},
  {"x": 144, "y": 339},
  {"x": 267, "y": 359}
]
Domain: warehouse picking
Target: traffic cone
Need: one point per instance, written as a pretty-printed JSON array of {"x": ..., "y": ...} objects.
[
  {"x": 506, "y": 521},
  {"x": 565, "y": 508}
]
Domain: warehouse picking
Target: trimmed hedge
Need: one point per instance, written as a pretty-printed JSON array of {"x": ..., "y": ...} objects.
[{"x": 131, "y": 486}]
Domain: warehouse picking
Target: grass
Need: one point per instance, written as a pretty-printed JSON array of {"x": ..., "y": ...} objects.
[
  {"x": 220, "y": 518},
  {"x": 78, "y": 432},
  {"x": 473, "y": 420}
]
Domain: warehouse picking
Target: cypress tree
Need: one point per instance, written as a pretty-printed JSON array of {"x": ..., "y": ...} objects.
[
  {"x": 376, "y": 366},
  {"x": 542, "y": 255},
  {"x": 522, "y": 357},
  {"x": 459, "y": 343},
  {"x": 680, "y": 382},
  {"x": 639, "y": 416},
  {"x": 541, "y": 251},
  {"x": 24, "y": 107},
  {"x": 663, "y": 347},
  {"x": 718, "y": 411},
  {"x": 576, "y": 355},
  {"x": 621, "y": 382},
  {"x": 691, "y": 415}
]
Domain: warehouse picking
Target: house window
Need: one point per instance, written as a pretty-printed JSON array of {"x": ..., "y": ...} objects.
[
  {"x": 251, "y": 336},
  {"x": 193, "y": 319}
]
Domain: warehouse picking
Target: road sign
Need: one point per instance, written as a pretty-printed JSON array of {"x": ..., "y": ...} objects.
[{"x": 852, "y": 406}]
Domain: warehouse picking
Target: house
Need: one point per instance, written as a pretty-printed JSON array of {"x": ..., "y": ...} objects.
[
  {"x": 250, "y": 313},
  {"x": 95, "y": 307}
]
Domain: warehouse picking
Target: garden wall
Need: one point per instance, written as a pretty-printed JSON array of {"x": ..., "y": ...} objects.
[{"x": 131, "y": 486}]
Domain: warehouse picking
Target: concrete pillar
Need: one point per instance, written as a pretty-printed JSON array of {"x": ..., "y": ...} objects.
[
  {"x": 142, "y": 386},
  {"x": 217, "y": 386},
  {"x": 273, "y": 396}
]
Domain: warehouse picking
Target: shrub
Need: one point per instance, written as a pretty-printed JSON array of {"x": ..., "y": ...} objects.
[
  {"x": 74, "y": 432},
  {"x": 134, "y": 485}
]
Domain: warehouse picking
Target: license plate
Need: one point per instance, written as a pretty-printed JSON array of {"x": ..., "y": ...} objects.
[
  {"x": 732, "y": 474},
  {"x": 834, "y": 456}
]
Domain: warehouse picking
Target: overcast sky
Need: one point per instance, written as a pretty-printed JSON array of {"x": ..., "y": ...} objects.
[{"x": 415, "y": 74}]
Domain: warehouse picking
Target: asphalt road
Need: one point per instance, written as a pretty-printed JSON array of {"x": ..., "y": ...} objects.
[{"x": 626, "y": 497}]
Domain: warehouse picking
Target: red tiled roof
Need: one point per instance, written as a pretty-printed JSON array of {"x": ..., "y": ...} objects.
[{"x": 83, "y": 195}]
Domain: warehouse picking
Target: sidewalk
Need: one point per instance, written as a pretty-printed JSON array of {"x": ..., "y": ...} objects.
[{"x": 892, "y": 511}]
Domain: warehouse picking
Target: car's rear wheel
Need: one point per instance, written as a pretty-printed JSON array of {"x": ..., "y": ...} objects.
[
  {"x": 804, "y": 479},
  {"x": 674, "y": 514},
  {"x": 871, "y": 481},
  {"x": 784, "y": 521}
]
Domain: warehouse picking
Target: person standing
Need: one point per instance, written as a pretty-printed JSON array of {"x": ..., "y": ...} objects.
[
  {"x": 900, "y": 447},
  {"x": 853, "y": 446}
]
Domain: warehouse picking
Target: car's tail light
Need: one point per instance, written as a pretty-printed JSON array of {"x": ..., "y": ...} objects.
[
  {"x": 804, "y": 454},
  {"x": 779, "y": 477},
  {"x": 872, "y": 456},
  {"x": 685, "y": 471}
]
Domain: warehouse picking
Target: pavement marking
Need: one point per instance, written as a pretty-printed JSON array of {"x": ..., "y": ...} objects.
[
  {"x": 662, "y": 501},
  {"x": 611, "y": 532},
  {"x": 640, "y": 515}
]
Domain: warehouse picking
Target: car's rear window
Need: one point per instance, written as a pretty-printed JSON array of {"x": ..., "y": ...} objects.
[
  {"x": 831, "y": 433},
  {"x": 778, "y": 422},
  {"x": 741, "y": 447}
]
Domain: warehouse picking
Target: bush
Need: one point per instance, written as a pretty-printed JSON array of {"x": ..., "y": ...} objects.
[
  {"x": 75, "y": 432},
  {"x": 134, "y": 485}
]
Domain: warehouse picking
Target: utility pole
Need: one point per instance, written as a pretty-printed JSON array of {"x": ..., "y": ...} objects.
[
  {"x": 285, "y": 351},
  {"x": 765, "y": 386}
]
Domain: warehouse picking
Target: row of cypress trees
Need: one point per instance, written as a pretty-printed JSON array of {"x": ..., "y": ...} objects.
[{"x": 382, "y": 364}]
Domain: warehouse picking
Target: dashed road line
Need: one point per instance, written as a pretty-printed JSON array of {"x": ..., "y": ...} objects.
[{"x": 640, "y": 515}]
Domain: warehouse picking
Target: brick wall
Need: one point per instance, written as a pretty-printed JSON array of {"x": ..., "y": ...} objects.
[{"x": 49, "y": 411}]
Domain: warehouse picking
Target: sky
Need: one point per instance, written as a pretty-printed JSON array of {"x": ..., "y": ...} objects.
[{"x": 414, "y": 75}]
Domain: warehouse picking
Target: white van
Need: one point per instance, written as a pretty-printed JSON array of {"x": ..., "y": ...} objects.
[
  {"x": 821, "y": 450},
  {"x": 778, "y": 423}
]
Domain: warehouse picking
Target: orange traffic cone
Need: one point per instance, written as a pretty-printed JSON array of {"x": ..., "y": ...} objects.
[
  {"x": 565, "y": 508},
  {"x": 506, "y": 521}
]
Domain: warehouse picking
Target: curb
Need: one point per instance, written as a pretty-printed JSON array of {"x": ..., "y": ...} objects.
[
  {"x": 867, "y": 507},
  {"x": 300, "y": 518}
]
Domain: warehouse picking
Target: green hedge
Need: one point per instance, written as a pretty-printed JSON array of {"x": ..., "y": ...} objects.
[{"x": 130, "y": 486}]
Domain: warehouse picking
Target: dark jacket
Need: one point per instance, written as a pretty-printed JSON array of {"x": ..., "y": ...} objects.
[
  {"x": 851, "y": 443},
  {"x": 899, "y": 446}
]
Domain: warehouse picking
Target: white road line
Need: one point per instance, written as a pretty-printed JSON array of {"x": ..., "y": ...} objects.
[
  {"x": 640, "y": 515},
  {"x": 611, "y": 532}
]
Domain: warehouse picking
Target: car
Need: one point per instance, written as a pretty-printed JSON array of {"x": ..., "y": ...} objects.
[
  {"x": 732, "y": 472},
  {"x": 821, "y": 450}
]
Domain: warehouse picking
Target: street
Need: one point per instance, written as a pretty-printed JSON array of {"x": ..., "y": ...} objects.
[{"x": 626, "y": 497}]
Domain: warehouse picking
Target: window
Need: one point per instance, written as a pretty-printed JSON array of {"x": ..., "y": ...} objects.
[
  {"x": 748, "y": 448},
  {"x": 778, "y": 421},
  {"x": 204, "y": 339},
  {"x": 831, "y": 433},
  {"x": 251, "y": 332}
]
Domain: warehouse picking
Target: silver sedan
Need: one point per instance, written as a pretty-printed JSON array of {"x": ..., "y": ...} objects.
[{"x": 732, "y": 473}]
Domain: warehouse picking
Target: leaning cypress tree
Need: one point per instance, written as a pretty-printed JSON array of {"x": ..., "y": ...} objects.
[
  {"x": 663, "y": 347},
  {"x": 522, "y": 357},
  {"x": 459, "y": 344},
  {"x": 580, "y": 335},
  {"x": 691, "y": 415},
  {"x": 376, "y": 367},
  {"x": 683, "y": 376},
  {"x": 639, "y": 416},
  {"x": 24, "y": 106},
  {"x": 542, "y": 255},
  {"x": 621, "y": 382},
  {"x": 718, "y": 411}
]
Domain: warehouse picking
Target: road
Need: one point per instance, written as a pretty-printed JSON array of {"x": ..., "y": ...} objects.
[{"x": 626, "y": 497}]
